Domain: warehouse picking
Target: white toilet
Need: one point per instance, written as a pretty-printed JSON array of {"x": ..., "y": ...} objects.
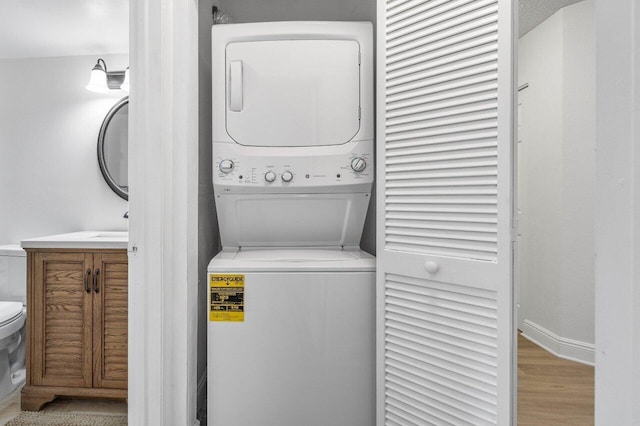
[{"x": 13, "y": 314}]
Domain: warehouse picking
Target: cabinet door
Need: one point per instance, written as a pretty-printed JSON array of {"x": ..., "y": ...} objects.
[
  {"x": 61, "y": 342},
  {"x": 110, "y": 311}
]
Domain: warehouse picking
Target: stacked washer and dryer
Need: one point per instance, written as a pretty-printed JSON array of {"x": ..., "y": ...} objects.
[{"x": 291, "y": 334}]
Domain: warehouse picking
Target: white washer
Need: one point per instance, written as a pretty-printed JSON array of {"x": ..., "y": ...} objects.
[{"x": 305, "y": 352}]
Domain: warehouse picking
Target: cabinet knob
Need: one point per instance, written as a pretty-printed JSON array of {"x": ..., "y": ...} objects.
[{"x": 431, "y": 267}]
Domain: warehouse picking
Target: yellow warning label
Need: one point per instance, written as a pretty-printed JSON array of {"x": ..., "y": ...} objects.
[{"x": 226, "y": 297}]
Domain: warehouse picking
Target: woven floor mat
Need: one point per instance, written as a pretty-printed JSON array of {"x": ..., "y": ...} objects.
[{"x": 37, "y": 418}]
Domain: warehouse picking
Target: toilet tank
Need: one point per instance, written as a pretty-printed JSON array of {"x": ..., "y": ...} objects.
[{"x": 13, "y": 274}]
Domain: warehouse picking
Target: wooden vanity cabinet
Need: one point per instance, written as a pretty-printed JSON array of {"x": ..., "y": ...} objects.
[{"x": 76, "y": 325}]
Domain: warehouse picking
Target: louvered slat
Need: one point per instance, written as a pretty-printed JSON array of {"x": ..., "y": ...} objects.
[
  {"x": 454, "y": 328},
  {"x": 451, "y": 129},
  {"x": 482, "y": 33},
  {"x": 115, "y": 322},
  {"x": 441, "y": 235},
  {"x": 64, "y": 323}
]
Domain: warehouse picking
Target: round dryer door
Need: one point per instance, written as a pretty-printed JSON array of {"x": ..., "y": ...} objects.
[{"x": 293, "y": 92}]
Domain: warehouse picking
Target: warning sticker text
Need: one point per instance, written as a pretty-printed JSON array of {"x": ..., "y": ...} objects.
[{"x": 226, "y": 297}]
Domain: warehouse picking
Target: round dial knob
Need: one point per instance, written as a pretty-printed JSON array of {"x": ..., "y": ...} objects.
[
  {"x": 358, "y": 164},
  {"x": 226, "y": 166},
  {"x": 270, "y": 176},
  {"x": 287, "y": 176}
]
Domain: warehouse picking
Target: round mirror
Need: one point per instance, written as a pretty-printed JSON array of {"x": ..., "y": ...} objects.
[{"x": 113, "y": 147}]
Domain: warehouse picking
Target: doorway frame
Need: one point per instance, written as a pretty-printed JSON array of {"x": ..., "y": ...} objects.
[
  {"x": 163, "y": 206},
  {"x": 617, "y": 215},
  {"x": 163, "y": 212}
]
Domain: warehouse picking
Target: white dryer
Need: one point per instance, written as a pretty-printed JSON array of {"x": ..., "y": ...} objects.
[{"x": 291, "y": 334}]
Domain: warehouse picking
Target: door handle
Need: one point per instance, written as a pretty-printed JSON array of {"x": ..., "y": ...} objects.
[
  {"x": 235, "y": 86},
  {"x": 86, "y": 280},
  {"x": 95, "y": 280},
  {"x": 431, "y": 267}
]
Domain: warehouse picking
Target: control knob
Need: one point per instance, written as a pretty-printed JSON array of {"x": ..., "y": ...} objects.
[
  {"x": 358, "y": 164},
  {"x": 270, "y": 176},
  {"x": 226, "y": 166},
  {"x": 287, "y": 176}
]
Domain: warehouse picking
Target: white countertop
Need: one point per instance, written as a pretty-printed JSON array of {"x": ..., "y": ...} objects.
[{"x": 84, "y": 239}]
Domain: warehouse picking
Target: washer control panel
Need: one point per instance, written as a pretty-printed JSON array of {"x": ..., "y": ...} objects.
[
  {"x": 226, "y": 166},
  {"x": 238, "y": 169},
  {"x": 358, "y": 164}
]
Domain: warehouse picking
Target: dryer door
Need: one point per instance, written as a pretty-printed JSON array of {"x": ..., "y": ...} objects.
[{"x": 293, "y": 92}]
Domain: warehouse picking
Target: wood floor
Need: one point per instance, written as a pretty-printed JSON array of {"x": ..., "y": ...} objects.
[{"x": 552, "y": 391}]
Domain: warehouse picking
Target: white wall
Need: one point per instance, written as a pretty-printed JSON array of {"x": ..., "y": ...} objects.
[
  {"x": 299, "y": 10},
  {"x": 578, "y": 192},
  {"x": 557, "y": 158},
  {"x": 539, "y": 189},
  {"x": 49, "y": 124}
]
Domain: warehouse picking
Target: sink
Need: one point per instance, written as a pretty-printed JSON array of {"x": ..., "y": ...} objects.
[
  {"x": 111, "y": 234},
  {"x": 83, "y": 239}
]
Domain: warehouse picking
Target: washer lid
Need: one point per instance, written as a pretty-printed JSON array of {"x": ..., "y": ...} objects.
[
  {"x": 9, "y": 311},
  {"x": 295, "y": 255},
  {"x": 292, "y": 260}
]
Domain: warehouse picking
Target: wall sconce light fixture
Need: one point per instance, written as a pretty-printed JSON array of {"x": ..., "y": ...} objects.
[{"x": 102, "y": 81}]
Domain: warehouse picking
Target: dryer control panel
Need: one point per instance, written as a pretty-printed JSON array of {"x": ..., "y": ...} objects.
[{"x": 242, "y": 169}]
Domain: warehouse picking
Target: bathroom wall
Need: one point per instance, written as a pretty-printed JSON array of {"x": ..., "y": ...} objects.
[
  {"x": 556, "y": 182},
  {"x": 49, "y": 124}
]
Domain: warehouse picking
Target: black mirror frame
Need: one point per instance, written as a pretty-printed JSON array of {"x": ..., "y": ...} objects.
[{"x": 103, "y": 131}]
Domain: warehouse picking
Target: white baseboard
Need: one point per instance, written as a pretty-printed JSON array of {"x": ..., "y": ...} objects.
[{"x": 573, "y": 350}]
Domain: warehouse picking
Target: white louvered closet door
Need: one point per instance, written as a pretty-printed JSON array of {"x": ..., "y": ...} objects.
[{"x": 445, "y": 133}]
